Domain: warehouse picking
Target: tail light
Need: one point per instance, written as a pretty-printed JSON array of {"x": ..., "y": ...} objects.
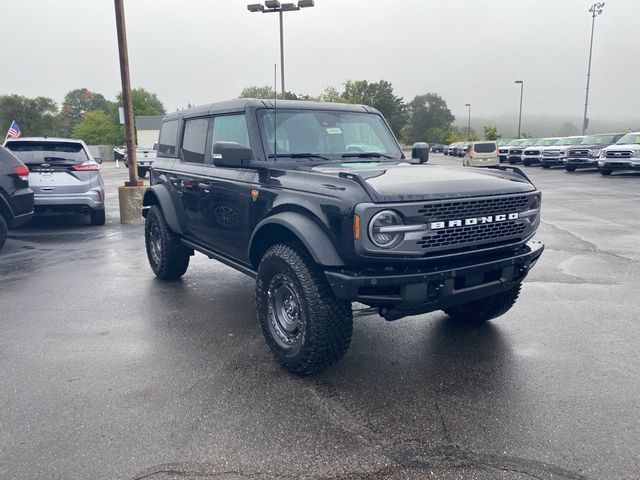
[
  {"x": 86, "y": 166},
  {"x": 22, "y": 171}
]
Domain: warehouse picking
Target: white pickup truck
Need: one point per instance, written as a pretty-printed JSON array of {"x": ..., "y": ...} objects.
[{"x": 145, "y": 156}]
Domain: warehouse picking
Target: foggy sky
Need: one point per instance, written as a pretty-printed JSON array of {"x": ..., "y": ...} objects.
[{"x": 469, "y": 51}]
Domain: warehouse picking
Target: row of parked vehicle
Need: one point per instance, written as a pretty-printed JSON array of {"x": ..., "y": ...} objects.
[
  {"x": 605, "y": 152},
  {"x": 48, "y": 175}
]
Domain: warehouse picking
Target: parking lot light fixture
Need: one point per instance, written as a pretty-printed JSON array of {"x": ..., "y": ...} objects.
[
  {"x": 469, "y": 124},
  {"x": 274, "y": 6},
  {"x": 520, "y": 114},
  {"x": 596, "y": 9}
]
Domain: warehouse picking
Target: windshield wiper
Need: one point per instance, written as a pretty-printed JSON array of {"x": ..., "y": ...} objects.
[
  {"x": 298, "y": 155},
  {"x": 368, "y": 155}
]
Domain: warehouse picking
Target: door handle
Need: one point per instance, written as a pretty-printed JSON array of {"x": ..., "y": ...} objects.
[{"x": 205, "y": 187}]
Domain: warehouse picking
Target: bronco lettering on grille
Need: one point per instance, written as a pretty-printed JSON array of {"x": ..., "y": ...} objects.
[{"x": 474, "y": 221}]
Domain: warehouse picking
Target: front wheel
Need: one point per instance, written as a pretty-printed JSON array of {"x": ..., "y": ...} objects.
[
  {"x": 569, "y": 168},
  {"x": 4, "y": 231},
  {"x": 142, "y": 172},
  {"x": 546, "y": 166},
  {"x": 305, "y": 326},
  {"x": 483, "y": 310},
  {"x": 168, "y": 257},
  {"x": 606, "y": 173}
]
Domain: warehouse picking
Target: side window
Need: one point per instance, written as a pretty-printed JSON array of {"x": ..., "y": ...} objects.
[
  {"x": 194, "y": 140},
  {"x": 168, "y": 138},
  {"x": 230, "y": 128}
]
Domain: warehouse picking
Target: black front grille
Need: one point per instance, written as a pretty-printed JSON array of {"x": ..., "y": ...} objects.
[
  {"x": 579, "y": 153},
  {"x": 504, "y": 150},
  {"x": 515, "y": 152},
  {"x": 455, "y": 210},
  {"x": 551, "y": 153},
  {"x": 625, "y": 154},
  {"x": 532, "y": 152},
  {"x": 473, "y": 234}
]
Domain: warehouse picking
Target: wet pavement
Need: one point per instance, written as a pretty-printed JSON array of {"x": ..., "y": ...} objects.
[{"x": 108, "y": 373}]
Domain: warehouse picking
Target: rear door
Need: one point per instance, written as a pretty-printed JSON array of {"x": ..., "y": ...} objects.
[{"x": 55, "y": 167}]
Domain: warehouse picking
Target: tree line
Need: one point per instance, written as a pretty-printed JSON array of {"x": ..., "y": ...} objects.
[
  {"x": 93, "y": 118},
  {"x": 83, "y": 114}
]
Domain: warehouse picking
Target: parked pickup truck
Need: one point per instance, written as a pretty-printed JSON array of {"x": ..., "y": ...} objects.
[
  {"x": 554, "y": 156},
  {"x": 318, "y": 203},
  {"x": 623, "y": 156},
  {"x": 532, "y": 155},
  {"x": 587, "y": 153},
  {"x": 145, "y": 157}
]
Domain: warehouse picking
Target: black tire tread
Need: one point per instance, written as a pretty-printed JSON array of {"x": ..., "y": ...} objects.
[
  {"x": 4, "y": 231},
  {"x": 328, "y": 333},
  {"x": 175, "y": 256},
  {"x": 485, "y": 309},
  {"x": 98, "y": 217}
]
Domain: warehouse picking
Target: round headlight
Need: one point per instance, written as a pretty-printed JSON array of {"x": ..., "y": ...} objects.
[{"x": 381, "y": 229}]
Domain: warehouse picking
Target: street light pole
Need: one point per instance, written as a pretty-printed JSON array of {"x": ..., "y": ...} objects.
[
  {"x": 274, "y": 6},
  {"x": 520, "y": 114},
  {"x": 469, "y": 123},
  {"x": 596, "y": 9}
]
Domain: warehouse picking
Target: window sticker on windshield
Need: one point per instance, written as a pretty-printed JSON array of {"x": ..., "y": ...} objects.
[{"x": 334, "y": 131}]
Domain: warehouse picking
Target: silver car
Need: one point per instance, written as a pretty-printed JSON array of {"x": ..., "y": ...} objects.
[{"x": 63, "y": 176}]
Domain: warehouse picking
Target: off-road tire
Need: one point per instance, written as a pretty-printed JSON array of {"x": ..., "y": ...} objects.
[
  {"x": 4, "y": 231},
  {"x": 142, "y": 172},
  {"x": 570, "y": 169},
  {"x": 98, "y": 217},
  {"x": 606, "y": 173},
  {"x": 169, "y": 258},
  {"x": 485, "y": 309},
  {"x": 325, "y": 323}
]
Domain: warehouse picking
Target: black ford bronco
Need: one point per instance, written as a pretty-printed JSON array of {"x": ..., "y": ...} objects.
[{"x": 318, "y": 202}]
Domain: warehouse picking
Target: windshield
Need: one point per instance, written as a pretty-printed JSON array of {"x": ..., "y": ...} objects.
[
  {"x": 41, "y": 152},
  {"x": 515, "y": 143},
  {"x": 630, "y": 138},
  {"x": 546, "y": 142},
  {"x": 570, "y": 141},
  {"x": 598, "y": 140},
  {"x": 327, "y": 133}
]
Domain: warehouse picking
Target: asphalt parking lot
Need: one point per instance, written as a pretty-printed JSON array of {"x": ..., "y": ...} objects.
[{"x": 108, "y": 373}]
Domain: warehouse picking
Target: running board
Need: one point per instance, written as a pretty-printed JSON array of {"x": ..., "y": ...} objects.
[{"x": 229, "y": 262}]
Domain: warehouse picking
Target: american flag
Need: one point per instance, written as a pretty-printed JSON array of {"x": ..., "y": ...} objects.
[{"x": 14, "y": 130}]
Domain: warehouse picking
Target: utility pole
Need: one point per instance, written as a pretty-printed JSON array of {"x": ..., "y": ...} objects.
[
  {"x": 520, "y": 114},
  {"x": 126, "y": 95},
  {"x": 282, "y": 54},
  {"x": 469, "y": 124},
  {"x": 596, "y": 9}
]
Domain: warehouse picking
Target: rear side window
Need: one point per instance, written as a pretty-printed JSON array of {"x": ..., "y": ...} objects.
[
  {"x": 487, "y": 147},
  {"x": 194, "y": 140},
  {"x": 168, "y": 138},
  {"x": 230, "y": 128}
]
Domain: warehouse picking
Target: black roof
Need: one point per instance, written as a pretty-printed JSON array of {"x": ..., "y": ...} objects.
[{"x": 240, "y": 104}]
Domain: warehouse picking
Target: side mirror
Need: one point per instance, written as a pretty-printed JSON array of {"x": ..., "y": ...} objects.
[
  {"x": 231, "y": 154},
  {"x": 420, "y": 151}
]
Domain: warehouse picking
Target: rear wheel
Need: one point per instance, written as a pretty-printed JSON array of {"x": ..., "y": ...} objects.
[
  {"x": 4, "y": 231},
  {"x": 98, "y": 217},
  {"x": 305, "y": 326},
  {"x": 485, "y": 309},
  {"x": 606, "y": 173},
  {"x": 168, "y": 257}
]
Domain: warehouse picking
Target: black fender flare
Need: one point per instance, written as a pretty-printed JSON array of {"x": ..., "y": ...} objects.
[
  {"x": 308, "y": 231},
  {"x": 159, "y": 195}
]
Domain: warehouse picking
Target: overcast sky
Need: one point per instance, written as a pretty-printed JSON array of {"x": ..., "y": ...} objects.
[{"x": 469, "y": 51}]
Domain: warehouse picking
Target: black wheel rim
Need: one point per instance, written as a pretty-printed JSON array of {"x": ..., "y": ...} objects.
[
  {"x": 155, "y": 242},
  {"x": 286, "y": 317}
]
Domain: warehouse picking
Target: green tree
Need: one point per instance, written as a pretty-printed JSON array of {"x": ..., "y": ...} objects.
[
  {"x": 144, "y": 103},
  {"x": 378, "y": 95},
  {"x": 426, "y": 113},
  {"x": 330, "y": 94},
  {"x": 36, "y": 116},
  {"x": 491, "y": 133},
  {"x": 78, "y": 102},
  {"x": 97, "y": 128},
  {"x": 266, "y": 92}
]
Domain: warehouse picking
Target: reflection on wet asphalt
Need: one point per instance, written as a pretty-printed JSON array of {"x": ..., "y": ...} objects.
[{"x": 110, "y": 373}]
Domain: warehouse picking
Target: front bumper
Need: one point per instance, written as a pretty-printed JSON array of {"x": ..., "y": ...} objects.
[
  {"x": 551, "y": 161},
  {"x": 630, "y": 164},
  {"x": 515, "y": 158},
  {"x": 581, "y": 162},
  {"x": 531, "y": 159},
  {"x": 435, "y": 288}
]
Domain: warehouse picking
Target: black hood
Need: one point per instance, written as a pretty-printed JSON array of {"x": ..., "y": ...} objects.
[{"x": 406, "y": 182}]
